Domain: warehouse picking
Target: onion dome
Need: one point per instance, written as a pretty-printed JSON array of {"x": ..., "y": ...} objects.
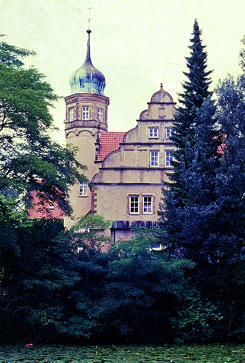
[
  {"x": 87, "y": 79},
  {"x": 161, "y": 96}
]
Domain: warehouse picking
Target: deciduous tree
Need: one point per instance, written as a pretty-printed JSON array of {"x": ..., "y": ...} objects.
[{"x": 28, "y": 154}]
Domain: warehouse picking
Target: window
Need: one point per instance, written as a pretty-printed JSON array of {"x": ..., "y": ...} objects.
[
  {"x": 51, "y": 206},
  {"x": 154, "y": 158},
  {"x": 169, "y": 133},
  {"x": 100, "y": 114},
  {"x": 83, "y": 190},
  {"x": 168, "y": 158},
  {"x": 85, "y": 113},
  {"x": 71, "y": 114},
  {"x": 147, "y": 204},
  {"x": 134, "y": 204},
  {"x": 153, "y": 132}
]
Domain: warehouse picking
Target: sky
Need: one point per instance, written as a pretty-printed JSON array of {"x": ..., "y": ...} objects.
[{"x": 136, "y": 44}]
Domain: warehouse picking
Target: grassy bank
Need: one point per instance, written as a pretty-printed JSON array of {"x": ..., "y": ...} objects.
[{"x": 222, "y": 353}]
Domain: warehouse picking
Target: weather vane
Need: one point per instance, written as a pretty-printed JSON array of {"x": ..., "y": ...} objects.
[{"x": 89, "y": 19}]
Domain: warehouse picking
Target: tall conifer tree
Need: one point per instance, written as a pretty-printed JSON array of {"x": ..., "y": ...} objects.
[
  {"x": 203, "y": 209},
  {"x": 195, "y": 160},
  {"x": 195, "y": 91}
]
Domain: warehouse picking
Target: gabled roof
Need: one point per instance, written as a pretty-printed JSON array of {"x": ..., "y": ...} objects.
[{"x": 109, "y": 141}]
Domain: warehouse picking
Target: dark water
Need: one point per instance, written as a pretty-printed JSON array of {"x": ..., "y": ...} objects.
[{"x": 228, "y": 353}]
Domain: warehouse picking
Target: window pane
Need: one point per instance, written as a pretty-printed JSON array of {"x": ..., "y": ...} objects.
[
  {"x": 83, "y": 190},
  {"x": 100, "y": 114},
  {"x": 134, "y": 205},
  {"x": 71, "y": 114},
  {"x": 169, "y": 133},
  {"x": 154, "y": 157},
  {"x": 153, "y": 132},
  {"x": 85, "y": 113},
  {"x": 147, "y": 204},
  {"x": 168, "y": 158},
  {"x": 51, "y": 206}
]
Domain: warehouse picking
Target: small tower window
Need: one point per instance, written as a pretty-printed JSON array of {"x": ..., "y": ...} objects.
[
  {"x": 71, "y": 114},
  {"x": 83, "y": 190},
  {"x": 85, "y": 113},
  {"x": 100, "y": 114}
]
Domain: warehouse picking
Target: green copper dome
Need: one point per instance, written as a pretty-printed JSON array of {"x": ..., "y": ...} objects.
[{"x": 87, "y": 79}]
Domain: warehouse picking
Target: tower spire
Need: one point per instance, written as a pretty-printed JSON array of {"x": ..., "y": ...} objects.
[
  {"x": 88, "y": 56},
  {"x": 87, "y": 79}
]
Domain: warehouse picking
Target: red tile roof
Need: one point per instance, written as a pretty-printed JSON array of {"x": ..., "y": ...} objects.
[
  {"x": 109, "y": 141},
  {"x": 44, "y": 210}
]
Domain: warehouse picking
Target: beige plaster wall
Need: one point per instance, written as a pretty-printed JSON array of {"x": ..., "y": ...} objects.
[{"x": 113, "y": 201}]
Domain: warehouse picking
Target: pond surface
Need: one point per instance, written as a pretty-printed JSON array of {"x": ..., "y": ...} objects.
[{"x": 119, "y": 354}]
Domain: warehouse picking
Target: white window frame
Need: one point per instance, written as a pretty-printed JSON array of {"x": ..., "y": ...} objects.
[
  {"x": 51, "y": 206},
  {"x": 147, "y": 204},
  {"x": 153, "y": 132},
  {"x": 168, "y": 158},
  {"x": 100, "y": 114},
  {"x": 85, "y": 113},
  {"x": 134, "y": 204},
  {"x": 154, "y": 158},
  {"x": 169, "y": 132},
  {"x": 71, "y": 114},
  {"x": 83, "y": 190}
]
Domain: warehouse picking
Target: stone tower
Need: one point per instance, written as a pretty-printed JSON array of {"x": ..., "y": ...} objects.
[{"x": 86, "y": 117}]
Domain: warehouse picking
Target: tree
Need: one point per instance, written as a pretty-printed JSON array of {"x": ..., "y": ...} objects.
[
  {"x": 29, "y": 158},
  {"x": 32, "y": 262},
  {"x": 204, "y": 216},
  {"x": 187, "y": 224},
  {"x": 242, "y": 55},
  {"x": 187, "y": 137},
  {"x": 196, "y": 90},
  {"x": 36, "y": 278},
  {"x": 230, "y": 199}
]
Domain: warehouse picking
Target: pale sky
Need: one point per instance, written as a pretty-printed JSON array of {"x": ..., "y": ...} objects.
[{"x": 136, "y": 44}]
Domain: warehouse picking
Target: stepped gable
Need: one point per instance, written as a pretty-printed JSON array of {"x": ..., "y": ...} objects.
[{"x": 109, "y": 141}]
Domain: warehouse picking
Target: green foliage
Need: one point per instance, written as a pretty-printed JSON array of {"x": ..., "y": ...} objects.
[
  {"x": 142, "y": 288},
  {"x": 125, "y": 295},
  {"x": 202, "y": 215},
  {"x": 89, "y": 233},
  {"x": 242, "y": 55},
  {"x": 196, "y": 319},
  {"x": 29, "y": 159},
  {"x": 196, "y": 90},
  {"x": 35, "y": 280},
  {"x": 10, "y": 55}
]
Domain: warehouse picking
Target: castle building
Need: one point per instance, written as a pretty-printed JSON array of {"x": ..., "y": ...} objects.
[{"x": 126, "y": 169}]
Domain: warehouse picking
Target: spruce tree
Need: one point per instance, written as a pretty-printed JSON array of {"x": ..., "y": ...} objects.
[
  {"x": 187, "y": 137},
  {"x": 202, "y": 214},
  {"x": 195, "y": 91}
]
